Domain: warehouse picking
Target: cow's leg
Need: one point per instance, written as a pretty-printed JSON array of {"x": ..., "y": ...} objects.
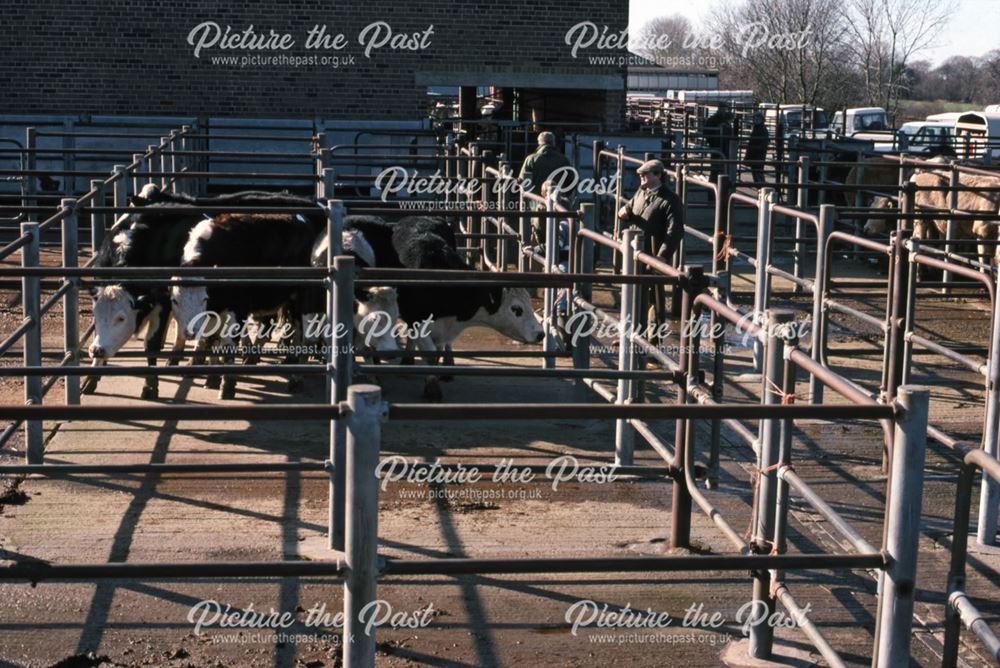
[
  {"x": 448, "y": 359},
  {"x": 292, "y": 316},
  {"x": 89, "y": 385},
  {"x": 228, "y": 388},
  {"x": 156, "y": 332},
  {"x": 178, "y": 345},
  {"x": 432, "y": 384}
]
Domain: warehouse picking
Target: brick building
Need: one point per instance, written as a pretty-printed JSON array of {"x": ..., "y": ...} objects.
[{"x": 305, "y": 58}]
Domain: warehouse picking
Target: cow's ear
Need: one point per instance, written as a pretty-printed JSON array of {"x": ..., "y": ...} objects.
[
  {"x": 494, "y": 299},
  {"x": 143, "y": 304}
]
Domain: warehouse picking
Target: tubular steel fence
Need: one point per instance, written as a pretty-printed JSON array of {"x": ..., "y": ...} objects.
[{"x": 497, "y": 237}]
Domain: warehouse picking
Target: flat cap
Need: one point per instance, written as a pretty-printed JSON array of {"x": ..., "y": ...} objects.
[{"x": 654, "y": 166}]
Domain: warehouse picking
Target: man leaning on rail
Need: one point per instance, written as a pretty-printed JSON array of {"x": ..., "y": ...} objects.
[{"x": 656, "y": 210}]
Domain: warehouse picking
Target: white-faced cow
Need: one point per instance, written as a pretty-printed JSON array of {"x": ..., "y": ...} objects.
[
  {"x": 450, "y": 310},
  {"x": 151, "y": 237},
  {"x": 376, "y": 310}
]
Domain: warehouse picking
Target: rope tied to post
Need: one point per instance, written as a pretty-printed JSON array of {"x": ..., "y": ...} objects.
[
  {"x": 787, "y": 399},
  {"x": 727, "y": 240}
]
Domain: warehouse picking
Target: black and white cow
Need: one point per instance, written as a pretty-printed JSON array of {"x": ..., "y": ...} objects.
[
  {"x": 376, "y": 310},
  {"x": 450, "y": 310},
  {"x": 243, "y": 240},
  {"x": 153, "y": 236}
]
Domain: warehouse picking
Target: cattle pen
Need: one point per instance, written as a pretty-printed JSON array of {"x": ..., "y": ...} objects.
[{"x": 715, "y": 417}]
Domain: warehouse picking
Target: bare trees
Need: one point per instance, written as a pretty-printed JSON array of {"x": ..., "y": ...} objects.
[
  {"x": 884, "y": 35},
  {"x": 826, "y": 52},
  {"x": 789, "y": 50}
]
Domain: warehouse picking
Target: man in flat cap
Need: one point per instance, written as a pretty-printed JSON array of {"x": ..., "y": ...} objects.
[{"x": 656, "y": 210}]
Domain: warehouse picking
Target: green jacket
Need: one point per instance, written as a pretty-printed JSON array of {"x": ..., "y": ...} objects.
[
  {"x": 658, "y": 213},
  {"x": 541, "y": 164}
]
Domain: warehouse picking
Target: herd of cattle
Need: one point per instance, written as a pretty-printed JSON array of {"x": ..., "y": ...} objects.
[
  {"x": 974, "y": 196},
  {"x": 165, "y": 230}
]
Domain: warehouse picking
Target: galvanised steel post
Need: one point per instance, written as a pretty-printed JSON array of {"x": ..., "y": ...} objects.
[
  {"x": 174, "y": 162},
  {"x": 949, "y": 232},
  {"x": 327, "y": 183},
  {"x": 151, "y": 151},
  {"x": 722, "y": 224},
  {"x": 68, "y": 158},
  {"x": 503, "y": 197},
  {"x": 29, "y": 185},
  {"x": 342, "y": 340},
  {"x": 956, "y": 570},
  {"x": 185, "y": 160},
  {"x": 120, "y": 192},
  {"x": 138, "y": 160},
  {"x": 790, "y": 341},
  {"x": 596, "y": 174},
  {"x": 580, "y": 330},
  {"x": 624, "y": 432},
  {"x": 717, "y": 328},
  {"x": 524, "y": 263},
  {"x": 910, "y": 303},
  {"x": 676, "y": 294},
  {"x": 768, "y": 456},
  {"x": 319, "y": 163},
  {"x": 902, "y": 519},
  {"x": 619, "y": 187},
  {"x": 989, "y": 494},
  {"x": 361, "y": 555},
  {"x": 762, "y": 286},
  {"x": 97, "y": 223},
  {"x": 164, "y": 143},
  {"x": 32, "y": 355},
  {"x": 71, "y": 299},
  {"x": 680, "y": 531},
  {"x": 551, "y": 250},
  {"x": 802, "y": 201},
  {"x": 827, "y": 217}
]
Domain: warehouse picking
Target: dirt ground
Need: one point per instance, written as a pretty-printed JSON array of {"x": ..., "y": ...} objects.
[{"x": 471, "y": 620}]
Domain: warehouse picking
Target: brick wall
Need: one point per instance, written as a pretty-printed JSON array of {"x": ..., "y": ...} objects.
[{"x": 127, "y": 57}]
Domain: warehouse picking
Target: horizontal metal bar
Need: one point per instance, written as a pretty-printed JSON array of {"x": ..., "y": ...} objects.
[
  {"x": 192, "y": 370},
  {"x": 63, "y": 470},
  {"x": 641, "y": 411},
  {"x": 964, "y": 360},
  {"x": 824, "y": 509},
  {"x": 634, "y": 564},
  {"x": 506, "y": 371},
  {"x": 975, "y": 622},
  {"x": 810, "y": 630},
  {"x": 847, "y": 310},
  {"x": 435, "y": 467},
  {"x": 171, "y": 412},
  {"x": 15, "y": 336},
  {"x": 36, "y": 572}
]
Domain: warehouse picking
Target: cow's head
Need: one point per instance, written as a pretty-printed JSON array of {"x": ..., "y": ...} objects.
[
  {"x": 375, "y": 320},
  {"x": 117, "y": 316},
  {"x": 511, "y": 314},
  {"x": 149, "y": 194},
  {"x": 876, "y": 227},
  {"x": 187, "y": 303}
]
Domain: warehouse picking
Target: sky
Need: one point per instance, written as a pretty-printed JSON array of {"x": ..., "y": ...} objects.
[{"x": 974, "y": 30}]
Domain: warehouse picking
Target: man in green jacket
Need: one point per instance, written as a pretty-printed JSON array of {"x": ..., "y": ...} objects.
[
  {"x": 546, "y": 159},
  {"x": 656, "y": 210},
  {"x": 538, "y": 167}
]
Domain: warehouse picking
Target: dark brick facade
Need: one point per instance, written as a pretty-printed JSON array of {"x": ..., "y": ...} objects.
[{"x": 130, "y": 57}]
